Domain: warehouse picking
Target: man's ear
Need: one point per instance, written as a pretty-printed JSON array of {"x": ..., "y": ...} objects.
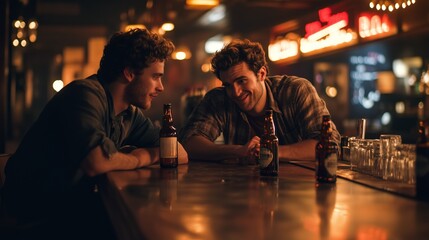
[
  {"x": 263, "y": 72},
  {"x": 128, "y": 74}
]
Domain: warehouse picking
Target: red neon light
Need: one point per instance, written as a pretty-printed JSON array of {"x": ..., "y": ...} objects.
[
  {"x": 373, "y": 24},
  {"x": 325, "y": 16}
]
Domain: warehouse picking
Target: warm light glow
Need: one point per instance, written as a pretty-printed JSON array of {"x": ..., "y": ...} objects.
[
  {"x": 400, "y": 107},
  {"x": 181, "y": 53},
  {"x": 19, "y": 34},
  {"x": 333, "y": 33},
  {"x": 326, "y": 17},
  {"x": 23, "y": 43},
  {"x": 167, "y": 26},
  {"x": 33, "y": 25},
  {"x": 134, "y": 26},
  {"x": 15, "y": 42},
  {"x": 159, "y": 30},
  {"x": 202, "y": 3},
  {"x": 282, "y": 49},
  {"x": 327, "y": 30},
  {"x": 33, "y": 37},
  {"x": 331, "y": 91},
  {"x": 375, "y": 25},
  {"x": 57, "y": 85},
  {"x": 211, "y": 46},
  {"x": 421, "y": 110},
  {"x": 386, "y": 82},
  {"x": 205, "y": 67},
  {"x": 390, "y": 5},
  {"x": 216, "y": 43},
  {"x": 17, "y": 23},
  {"x": 400, "y": 68},
  {"x": 339, "y": 37},
  {"x": 26, "y": 33}
]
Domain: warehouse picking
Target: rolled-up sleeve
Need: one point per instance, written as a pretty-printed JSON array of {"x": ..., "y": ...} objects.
[
  {"x": 207, "y": 119},
  {"x": 84, "y": 115}
]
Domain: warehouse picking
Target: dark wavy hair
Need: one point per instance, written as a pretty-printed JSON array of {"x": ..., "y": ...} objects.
[
  {"x": 238, "y": 51},
  {"x": 135, "y": 49}
]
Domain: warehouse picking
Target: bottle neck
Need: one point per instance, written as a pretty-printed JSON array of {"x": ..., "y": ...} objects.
[
  {"x": 168, "y": 117},
  {"x": 326, "y": 130},
  {"x": 269, "y": 125}
]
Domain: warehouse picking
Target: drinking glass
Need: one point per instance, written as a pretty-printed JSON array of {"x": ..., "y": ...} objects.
[
  {"x": 354, "y": 152},
  {"x": 405, "y": 163},
  {"x": 388, "y": 143}
]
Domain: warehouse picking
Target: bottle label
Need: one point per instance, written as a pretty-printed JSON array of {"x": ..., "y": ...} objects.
[
  {"x": 331, "y": 164},
  {"x": 265, "y": 157},
  {"x": 168, "y": 147}
]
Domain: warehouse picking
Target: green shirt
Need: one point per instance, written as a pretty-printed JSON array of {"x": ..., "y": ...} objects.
[{"x": 46, "y": 165}]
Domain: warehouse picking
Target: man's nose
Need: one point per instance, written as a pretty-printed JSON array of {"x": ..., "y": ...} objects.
[{"x": 160, "y": 86}]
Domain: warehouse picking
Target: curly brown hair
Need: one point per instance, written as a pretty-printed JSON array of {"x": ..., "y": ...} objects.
[
  {"x": 238, "y": 51},
  {"x": 135, "y": 49}
]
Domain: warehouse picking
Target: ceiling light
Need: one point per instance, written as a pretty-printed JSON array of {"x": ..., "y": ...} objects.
[
  {"x": 202, "y": 3},
  {"x": 214, "y": 15},
  {"x": 168, "y": 26},
  {"x": 390, "y": 5}
]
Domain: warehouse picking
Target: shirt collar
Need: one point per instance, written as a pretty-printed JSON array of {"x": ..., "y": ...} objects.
[
  {"x": 272, "y": 103},
  {"x": 124, "y": 113}
]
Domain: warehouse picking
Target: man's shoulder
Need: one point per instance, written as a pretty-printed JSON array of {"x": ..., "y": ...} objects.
[
  {"x": 279, "y": 80},
  {"x": 90, "y": 82},
  {"x": 283, "y": 82},
  {"x": 84, "y": 86},
  {"x": 217, "y": 92}
]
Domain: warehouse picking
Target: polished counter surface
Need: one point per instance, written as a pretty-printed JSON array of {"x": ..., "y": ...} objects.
[{"x": 230, "y": 201}]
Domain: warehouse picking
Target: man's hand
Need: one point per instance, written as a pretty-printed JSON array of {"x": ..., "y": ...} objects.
[{"x": 252, "y": 147}]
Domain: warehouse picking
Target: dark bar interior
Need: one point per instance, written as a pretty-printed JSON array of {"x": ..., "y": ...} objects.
[{"x": 367, "y": 60}]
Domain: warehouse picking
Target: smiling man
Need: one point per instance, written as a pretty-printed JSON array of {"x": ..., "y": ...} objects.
[
  {"x": 81, "y": 134},
  {"x": 237, "y": 109}
]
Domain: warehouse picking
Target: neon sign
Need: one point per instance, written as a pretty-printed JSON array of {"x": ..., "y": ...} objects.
[
  {"x": 374, "y": 25},
  {"x": 333, "y": 34},
  {"x": 284, "y": 48}
]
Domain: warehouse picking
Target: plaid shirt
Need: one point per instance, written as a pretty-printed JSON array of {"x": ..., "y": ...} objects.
[{"x": 297, "y": 112}]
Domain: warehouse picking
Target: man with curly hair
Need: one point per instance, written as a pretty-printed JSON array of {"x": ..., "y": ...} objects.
[
  {"x": 236, "y": 110},
  {"x": 81, "y": 132}
]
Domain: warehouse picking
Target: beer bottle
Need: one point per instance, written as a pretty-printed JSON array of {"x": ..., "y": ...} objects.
[
  {"x": 422, "y": 163},
  {"x": 326, "y": 154},
  {"x": 168, "y": 156},
  {"x": 268, "y": 154}
]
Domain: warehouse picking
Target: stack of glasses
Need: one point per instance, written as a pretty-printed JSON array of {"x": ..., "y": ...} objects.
[{"x": 386, "y": 158}]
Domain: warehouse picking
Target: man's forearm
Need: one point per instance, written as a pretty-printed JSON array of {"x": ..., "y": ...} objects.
[
  {"x": 200, "y": 148},
  {"x": 96, "y": 162},
  {"x": 305, "y": 150}
]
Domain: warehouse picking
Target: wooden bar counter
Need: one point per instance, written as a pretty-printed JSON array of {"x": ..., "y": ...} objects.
[{"x": 231, "y": 201}]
